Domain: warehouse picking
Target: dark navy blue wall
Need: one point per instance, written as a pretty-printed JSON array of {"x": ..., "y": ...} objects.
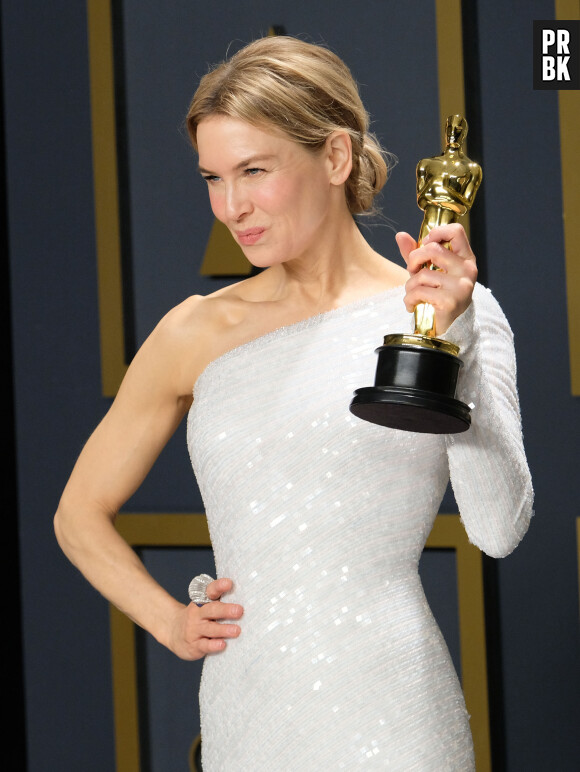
[
  {"x": 390, "y": 47},
  {"x": 526, "y": 270}
]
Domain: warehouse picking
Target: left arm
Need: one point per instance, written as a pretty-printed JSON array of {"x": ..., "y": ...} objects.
[
  {"x": 487, "y": 464},
  {"x": 488, "y": 467}
]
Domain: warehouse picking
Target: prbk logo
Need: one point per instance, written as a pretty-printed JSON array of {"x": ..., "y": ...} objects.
[{"x": 556, "y": 54}]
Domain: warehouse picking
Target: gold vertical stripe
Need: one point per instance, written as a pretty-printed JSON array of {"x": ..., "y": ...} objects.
[
  {"x": 125, "y": 697},
  {"x": 193, "y": 767},
  {"x": 450, "y": 59},
  {"x": 142, "y": 530},
  {"x": 569, "y": 110},
  {"x": 223, "y": 256},
  {"x": 450, "y": 68},
  {"x": 449, "y": 532},
  {"x": 474, "y": 650},
  {"x": 108, "y": 242}
]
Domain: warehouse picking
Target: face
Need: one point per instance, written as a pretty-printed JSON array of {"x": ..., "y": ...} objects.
[
  {"x": 454, "y": 130},
  {"x": 273, "y": 194}
]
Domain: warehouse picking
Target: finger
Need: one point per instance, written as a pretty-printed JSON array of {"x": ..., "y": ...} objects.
[
  {"x": 220, "y": 630},
  {"x": 426, "y": 278},
  {"x": 446, "y": 294},
  {"x": 427, "y": 294},
  {"x": 443, "y": 259},
  {"x": 219, "y": 587},
  {"x": 219, "y": 610},
  {"x": 406, "y": 244},
  {"x": 452, "y": 234},
  {"x": 423, "y": 288},
  {"x": 210, "y": 646},
  {"x": 432, "y": 254},
  {"x": 422, "y": 256},
  {"x": 446, "y": 283},
  {"x": 446, "y": 310}
]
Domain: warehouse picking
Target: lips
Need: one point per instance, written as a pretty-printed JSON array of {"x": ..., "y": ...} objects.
[{"x": 249, "y": 236}]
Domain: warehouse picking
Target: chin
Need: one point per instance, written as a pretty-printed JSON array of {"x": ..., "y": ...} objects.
[{"x": 261, "y": 258}]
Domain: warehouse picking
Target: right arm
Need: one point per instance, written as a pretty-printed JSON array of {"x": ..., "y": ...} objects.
[{"x": 153, "y": 398}]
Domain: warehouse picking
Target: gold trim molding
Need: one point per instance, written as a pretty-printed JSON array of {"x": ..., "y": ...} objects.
[
  {"x": 106, "y": 192},
  {"x": 450, "y": 64},
  {"x": 569, "y": 110},
  {"x": 449, "y": 532},
  {"x": 450, "y": 69},
  {"x": 141, "y": 530}
]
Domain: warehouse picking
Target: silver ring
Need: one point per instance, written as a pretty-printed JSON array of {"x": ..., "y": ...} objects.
[{"x": 197, "y": 589}]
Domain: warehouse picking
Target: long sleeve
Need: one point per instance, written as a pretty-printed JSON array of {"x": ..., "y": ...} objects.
[{"x": 488, "y": 468}]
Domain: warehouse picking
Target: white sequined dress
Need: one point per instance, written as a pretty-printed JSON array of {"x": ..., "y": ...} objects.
[{"x": 320, "y": 519}]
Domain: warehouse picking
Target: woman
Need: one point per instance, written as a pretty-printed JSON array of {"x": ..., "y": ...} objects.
[{"x": 324, "y": 652}]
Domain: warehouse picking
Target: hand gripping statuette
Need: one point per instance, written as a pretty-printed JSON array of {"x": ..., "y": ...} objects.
[{"x": 417, "y": 373}]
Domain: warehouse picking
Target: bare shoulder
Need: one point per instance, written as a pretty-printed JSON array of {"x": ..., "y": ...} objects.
[
  {"x": 192, "y": 334},
  {"x": 200, "y": 316}
]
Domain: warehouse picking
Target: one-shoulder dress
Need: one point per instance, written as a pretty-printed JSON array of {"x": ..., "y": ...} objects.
[{"x": 320, "y": 519}]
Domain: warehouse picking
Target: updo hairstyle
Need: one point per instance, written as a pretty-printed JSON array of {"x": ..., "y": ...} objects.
[{"x": 306, "y": 92}]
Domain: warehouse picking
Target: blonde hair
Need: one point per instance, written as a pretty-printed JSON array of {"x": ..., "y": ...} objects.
[{"x": 303, "y": 90}]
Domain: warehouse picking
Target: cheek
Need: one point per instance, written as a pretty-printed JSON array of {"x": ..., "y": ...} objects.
[
  {"x": 273, "y": 197},
  {"x": 217, "y": 204},
  {"x": 283, "y": 198}
]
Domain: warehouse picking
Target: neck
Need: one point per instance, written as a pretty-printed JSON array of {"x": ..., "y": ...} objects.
[{"x": 329, "y": 274}]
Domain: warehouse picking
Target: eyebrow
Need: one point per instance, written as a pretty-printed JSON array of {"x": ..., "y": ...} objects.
[{"x": 254, "y": 159}]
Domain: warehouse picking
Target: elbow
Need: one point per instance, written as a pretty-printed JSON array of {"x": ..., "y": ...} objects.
[
  {"x": 68, "y": 529},
  {"x": 496, "y": 545},
  {"x": 56, "y": 523},
  {"x": 501, "y": 550},
  {"x": 503, "y": 534},
  {"x": 79, "y": 524},
  {"x": 62, "y": 530}
]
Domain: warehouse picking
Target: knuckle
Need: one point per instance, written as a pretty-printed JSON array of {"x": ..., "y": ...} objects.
[
  {"x": 466, "y": 285},
  {"x": 448, "y": 305}
]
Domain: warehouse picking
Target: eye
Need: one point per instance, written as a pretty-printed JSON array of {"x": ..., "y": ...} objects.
[
  {"x": 210, "y": 177},
  {"x": 252, "y": 171}
]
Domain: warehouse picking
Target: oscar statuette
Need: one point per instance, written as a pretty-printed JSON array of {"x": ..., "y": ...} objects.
[{"x": 416, "y": 374}]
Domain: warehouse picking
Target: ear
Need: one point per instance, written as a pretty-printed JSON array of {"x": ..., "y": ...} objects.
[{"x": 339, "y": 157}]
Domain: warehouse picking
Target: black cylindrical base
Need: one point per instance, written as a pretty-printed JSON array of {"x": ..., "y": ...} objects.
[{"x": 414, "y": 390}]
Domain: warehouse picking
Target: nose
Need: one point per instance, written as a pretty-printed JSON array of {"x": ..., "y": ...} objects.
[{"x": 237, "y": 202}]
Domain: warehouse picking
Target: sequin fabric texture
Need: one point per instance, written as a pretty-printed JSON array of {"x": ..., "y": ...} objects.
[{"x": 320, "y": 519}]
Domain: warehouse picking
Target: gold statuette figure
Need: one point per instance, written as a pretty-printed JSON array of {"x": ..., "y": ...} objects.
[
  {"x": 417, "y": 373},
  {"x": 446, "y": 188}
]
